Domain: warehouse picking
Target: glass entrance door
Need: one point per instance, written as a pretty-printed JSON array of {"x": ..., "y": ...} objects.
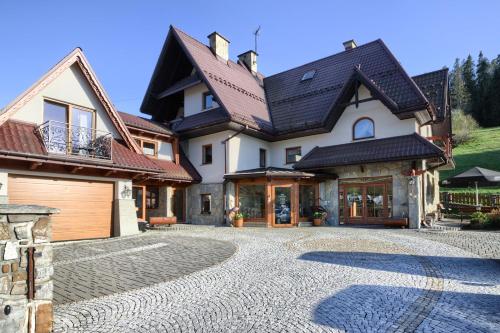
[
  {"x": 282, "y": 206},
  {"x": 365, "y": 202}
]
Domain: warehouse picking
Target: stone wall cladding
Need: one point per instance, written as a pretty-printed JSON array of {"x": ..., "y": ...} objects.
[
  {"x": 194, "y": 192},
  {"x": 21, "y": 228}
]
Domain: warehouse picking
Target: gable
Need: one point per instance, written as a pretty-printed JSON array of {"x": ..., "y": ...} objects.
[
  {"x": 69, "y": 87},
  {"x": 71, "y": 78}
]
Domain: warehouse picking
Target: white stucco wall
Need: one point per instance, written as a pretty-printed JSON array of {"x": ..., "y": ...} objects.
[
  {"x": 72, "y": 87},
  {"x": 386, "y": 125},
  {"x": 211, "y": 173},
  {"x": 244, "y": 153},
  {"x": 193, "y": 99}
]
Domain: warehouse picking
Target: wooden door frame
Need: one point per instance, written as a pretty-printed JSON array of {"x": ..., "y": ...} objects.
[
  {"x": 293, "y": 199},
  {"x": 364, "y": 219},
  {"x": 143, "y": 187}
]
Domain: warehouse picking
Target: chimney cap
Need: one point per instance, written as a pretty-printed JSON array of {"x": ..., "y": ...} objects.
[
  {"x": 249, "y": 51},
  {"x": 218, "y": 34},
  {"x": 350, "y": 44}
]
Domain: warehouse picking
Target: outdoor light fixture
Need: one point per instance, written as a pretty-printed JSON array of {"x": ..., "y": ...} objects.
[{"x": 126, "y": 192}]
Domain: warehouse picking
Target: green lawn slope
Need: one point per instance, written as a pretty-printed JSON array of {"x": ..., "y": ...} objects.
[{"x": 482, "y": 150}]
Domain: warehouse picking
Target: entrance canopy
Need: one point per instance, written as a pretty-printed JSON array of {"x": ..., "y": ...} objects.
[{"x": 272, "y": 172}]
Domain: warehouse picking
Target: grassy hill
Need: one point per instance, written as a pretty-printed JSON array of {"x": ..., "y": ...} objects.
[{"x": 482, "y": 150}]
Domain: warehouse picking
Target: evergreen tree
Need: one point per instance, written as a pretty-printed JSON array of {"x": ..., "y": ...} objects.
[
  {"x": 470, "y": 82},
  {"x": 481, "y": 100},
  {"x": 460, "y": 97},
  {"x": 494, "y": 93}
]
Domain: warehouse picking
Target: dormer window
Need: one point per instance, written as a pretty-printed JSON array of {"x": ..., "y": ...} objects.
[
  {"x": 363, "y": 128},
  {"x": 209, "y": 101},
  {"x": 308, "y": 75}
]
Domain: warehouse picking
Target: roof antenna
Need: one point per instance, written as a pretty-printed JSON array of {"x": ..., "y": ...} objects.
[{"x": 256, "y": 33}]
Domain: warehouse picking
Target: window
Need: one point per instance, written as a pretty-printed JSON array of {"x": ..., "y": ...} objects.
[
  {"x": 262, "y": 158},
  {"x": 363, "y": 129},
  {"x": 152, "y": 197},
  {"x": 308, "y": 75},
  {"x": 306, "y": 201},
  {"x": 252, "y": 200},
  {"x": 55, "y": 112},
  {"x": 208, "y": 101},
  {"x": 293, "y": 155},
  {"x": 207, "y": 154},
  {"x": 149, "y": 148},
  {"x": 206, "y": 203}
]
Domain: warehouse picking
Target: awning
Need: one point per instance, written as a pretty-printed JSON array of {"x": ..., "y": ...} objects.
[{"x": 271, "y": 172}]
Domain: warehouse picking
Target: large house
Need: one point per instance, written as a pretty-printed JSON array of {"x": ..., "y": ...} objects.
[{"x": 352, "y": 133}]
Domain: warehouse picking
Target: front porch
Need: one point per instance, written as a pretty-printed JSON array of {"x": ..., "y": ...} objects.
[{"x": 274, "y": 197}]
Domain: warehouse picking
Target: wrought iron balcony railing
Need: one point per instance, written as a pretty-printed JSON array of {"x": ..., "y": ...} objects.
[{"x": 66, "y": 139}]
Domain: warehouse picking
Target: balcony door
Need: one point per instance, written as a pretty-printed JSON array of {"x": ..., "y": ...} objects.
[{"x": 71, "y": 128}]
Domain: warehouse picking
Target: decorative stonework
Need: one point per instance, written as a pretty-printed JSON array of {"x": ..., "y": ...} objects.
[
  {"x": 216, "y": 215},
  {"x": 25, "y": 268}
]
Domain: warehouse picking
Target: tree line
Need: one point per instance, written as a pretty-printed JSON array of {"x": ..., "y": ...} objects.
[{"x": 475, "y": 89}]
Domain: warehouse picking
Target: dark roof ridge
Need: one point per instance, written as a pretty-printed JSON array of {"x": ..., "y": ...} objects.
[
  {"x": 406, "y": 76},
  {"x": 432, "y": 72},
  {"x": 378, "y": 40}
]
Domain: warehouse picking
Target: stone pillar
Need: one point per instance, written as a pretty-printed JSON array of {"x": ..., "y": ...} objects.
[
  {"x": 230, "y": 200},
  {"x": 125, "y": 215},
  {"x": 169, "y": 196},
  {"x": 414, "y": 197},
  {"x": 25, "y": 289},
  {"x": 4, "y": 183}
]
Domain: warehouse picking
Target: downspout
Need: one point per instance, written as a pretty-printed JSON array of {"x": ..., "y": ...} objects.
[{"x": 224, "y": 183}]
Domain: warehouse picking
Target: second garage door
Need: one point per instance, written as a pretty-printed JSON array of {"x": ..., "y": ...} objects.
[{"x": 86, "y": 206}]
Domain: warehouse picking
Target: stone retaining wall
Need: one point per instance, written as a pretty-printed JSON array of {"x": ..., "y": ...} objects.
[{"x": 25, "y": 268}]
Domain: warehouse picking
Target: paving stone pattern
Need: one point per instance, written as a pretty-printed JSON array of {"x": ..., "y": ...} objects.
[
  {"x": 88, "y": 270},
  {"x": 303, "y": 280}
]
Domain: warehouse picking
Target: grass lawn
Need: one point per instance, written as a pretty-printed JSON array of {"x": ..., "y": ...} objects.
[{"x": 482, "y": 150}]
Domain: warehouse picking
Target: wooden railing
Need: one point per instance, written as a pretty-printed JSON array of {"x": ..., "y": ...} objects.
[
  {"x": 469, "y": 198},
  {"x": 443, "y": 142}
]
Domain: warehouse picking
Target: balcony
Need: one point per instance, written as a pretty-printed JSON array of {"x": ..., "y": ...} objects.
[{"x": 70, "y": 140}]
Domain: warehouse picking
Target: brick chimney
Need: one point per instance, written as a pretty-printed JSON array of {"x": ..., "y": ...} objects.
[
  {"x": 249, "y": 58},
  {"x": 219, "y": 45},
  {"x": 349, "y": 45}
]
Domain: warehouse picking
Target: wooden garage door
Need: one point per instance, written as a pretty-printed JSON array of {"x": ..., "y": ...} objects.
[{"x": 86, "y": 206}]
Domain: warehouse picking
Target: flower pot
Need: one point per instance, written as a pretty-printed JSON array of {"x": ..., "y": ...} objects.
[
  {"x": 317, "y": 222},
  {"x": 238, "y": 223}
]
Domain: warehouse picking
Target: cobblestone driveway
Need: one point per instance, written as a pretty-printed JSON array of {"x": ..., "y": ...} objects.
[{"x": 308, "y": 280}]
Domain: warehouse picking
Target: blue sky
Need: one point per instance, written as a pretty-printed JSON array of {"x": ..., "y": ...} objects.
[{"x": 122, "y": 39}]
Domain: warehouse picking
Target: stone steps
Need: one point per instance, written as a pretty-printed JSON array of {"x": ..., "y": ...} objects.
[{"x": 305, "y": 224}]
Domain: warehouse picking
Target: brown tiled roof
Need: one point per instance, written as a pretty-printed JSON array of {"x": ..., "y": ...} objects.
[
  {"x": 184, "y": 171},
  {"x": 406, "y": 147},
  {"x": 236, "y": 88},
  {"x": 143, "y": 123},
  {"x": 202, "y": 119},
  {"x": 434, "y": 85},
  {"x": 296, "y": 104},
  {"x": 20, "y": 137}
]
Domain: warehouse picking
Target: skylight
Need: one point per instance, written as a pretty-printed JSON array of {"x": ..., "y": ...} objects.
[{"x": 308, "y": 75}]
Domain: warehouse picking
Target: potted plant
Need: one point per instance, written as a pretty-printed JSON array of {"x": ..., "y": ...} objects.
[
  {"x": 238, "y": 219},
  {"x": 317, "y": 218}
]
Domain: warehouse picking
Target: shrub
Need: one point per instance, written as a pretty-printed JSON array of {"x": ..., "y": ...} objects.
[
  {"x": 238, "y": 216},
  {"x": 463, "y": 124},
  {"x": 478, "y": 218},
  {"x": 494, "y": 218}
]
